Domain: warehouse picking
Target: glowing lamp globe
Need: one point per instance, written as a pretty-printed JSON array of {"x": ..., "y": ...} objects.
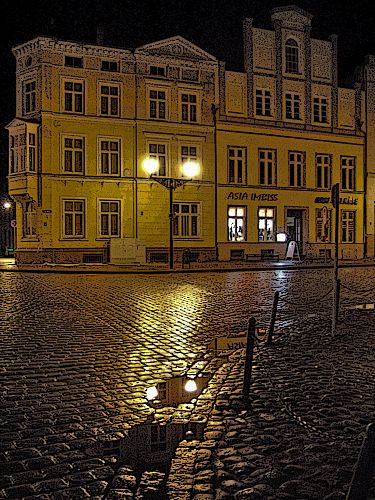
[
  {"x": 151, "y": 165},
  {"x": 190, "y": 169},
  {"x": 191, "y": 386}
]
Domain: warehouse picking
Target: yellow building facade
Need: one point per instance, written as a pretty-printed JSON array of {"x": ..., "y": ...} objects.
[{"x": 270, "y": 142}]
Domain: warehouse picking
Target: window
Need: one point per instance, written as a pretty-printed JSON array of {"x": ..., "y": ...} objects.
[
  {"x": 266, "y": 224},
  {"x": 29, "y": 230},
  {"x": 109, "y": 156},
  {"x": 29, "y": 97},
  {"x": 73, "y": 97},
  {"x": 32, "y": 152},
  {"x": 73, "y": 154},
  {"x": 188, "y": 153},
  {"x": 263, "y": 102},
  {"x": 236, "y": 165},
  {"x": 18, "y": 152},
  {"x": 109, "y": 66},
  {"x": 347, "y": 173},
  {"x": 73, "y": 62},
  {"x": 158, "y": 438},
  {"x": 291, "y": 56},
  {"x": 293, "y": 106},
  {"x": 73, "y": 218},
  {"x": 189, "y": 108},
  {"x": 320, "y": 109},
  {"x": 236, "y": 223},
  {"x": 347, "y": 226},
  {"x": 159, "y": 152},
  {"x": 158, "y": 104},
  {"x": 109, "y": 100},
  {"x": 323, "y": 225},
  {"x": 109, "y": 215},
  {"x": 296, "y": 169},
  {"x": 186, "y": 220},
  {"x": 157, "y": 70},
  {"x": 267, "y": 167},
  {"x": 323, "y": 171}
]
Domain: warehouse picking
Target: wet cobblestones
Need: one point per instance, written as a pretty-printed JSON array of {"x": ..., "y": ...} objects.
[{"x": 79, "y": 351}]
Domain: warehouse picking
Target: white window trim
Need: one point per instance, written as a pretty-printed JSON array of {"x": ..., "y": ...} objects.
[
  {"x": 199, "y": 220},
  {"x": 109, "y": 84},
  {"x": 321, "y": 123},
  {"x": 294, "y": 95},
  {"x": 62, "y": 150},
  {"x": 163, "y": 88},
  {"x": 198, "y": 105},
  {"x": 31, "y": 78},
  {"x": 99, "y": 159},
  {"x": 73, "y": 237},
  {"x": 160, "y": 140},
  {"x": 189, "y": 144},
  {"x": 62, "y": 95},
  {"x": 98, "y": 231},
  {"x": 264, "y": 97}
]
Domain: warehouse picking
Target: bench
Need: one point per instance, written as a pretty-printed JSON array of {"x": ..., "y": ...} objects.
[{"x": 264, "y": 255}]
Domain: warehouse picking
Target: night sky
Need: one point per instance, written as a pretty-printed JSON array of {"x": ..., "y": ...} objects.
[{"x": 213, "y": 25}]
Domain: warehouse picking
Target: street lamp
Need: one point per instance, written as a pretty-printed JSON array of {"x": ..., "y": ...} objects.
[{"x": 190, "y": 169}]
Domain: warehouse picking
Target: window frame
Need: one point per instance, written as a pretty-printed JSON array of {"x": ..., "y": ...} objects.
[
  {"x": 236, "y": 217},
  {"x": 74, "y": 235},
  {"x": 266, "y": 218},
  {"x": 189, "y": 111},
  {"x": 263, "y": 102},
  {"x": 159, "y": 154},
  {"x": 293, "y": 106},
  {"x": 292, "y": 57},
  {"x": 29, "y": 221},
  {"x": 186, "y": 224},
  {"x": 74, "y": 103},
  {"x": 110, "y": 155},
  {"x": 348, "y": 222},
  {"x": 155, "y": 102},
  {"x": 233, "y": 162},
  {"x": 108, "y": 98},
  {"x": 300, "y": 165},
  {"x": 267, "y": 167},
  {"x": 323, "y": 171},
  {"x": 348, "y": 181},
  {"x": 74, "y": 150},
  {"x": 320, "y": 109},
  {"x": 29, "y": 96},
  {"x": 323, "y": 228},
  {"x": 101, "y": 213}
]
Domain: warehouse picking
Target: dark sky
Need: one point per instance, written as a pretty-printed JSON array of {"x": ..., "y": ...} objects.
[{"x": 213, "y": 25}]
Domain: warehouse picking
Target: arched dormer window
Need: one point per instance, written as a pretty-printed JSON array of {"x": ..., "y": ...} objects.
[{"x": 291, "y": 56}]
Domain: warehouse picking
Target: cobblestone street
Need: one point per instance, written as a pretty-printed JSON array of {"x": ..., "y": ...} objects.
[{"x": 78, "y": 352}]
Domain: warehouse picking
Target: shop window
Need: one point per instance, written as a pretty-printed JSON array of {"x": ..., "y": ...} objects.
[
  {"x": 236, "y": 223},
  {"x": 266, "y": 224}
]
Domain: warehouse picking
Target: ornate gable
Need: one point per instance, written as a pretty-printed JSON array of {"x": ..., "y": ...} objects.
[
  {"x": 292, "y": 17},
  {"x": 176, "y": 47}
]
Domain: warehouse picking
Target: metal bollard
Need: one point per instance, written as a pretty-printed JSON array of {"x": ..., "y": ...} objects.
[
  {"x": 273, "y": 318},
  {"x": 249, "y": 359},
  {"x": 364, "y": 468},
  {"x": 338, "y": 285}
]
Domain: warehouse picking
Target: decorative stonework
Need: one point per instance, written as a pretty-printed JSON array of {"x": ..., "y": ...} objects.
[{"x": 176, "y": 47}]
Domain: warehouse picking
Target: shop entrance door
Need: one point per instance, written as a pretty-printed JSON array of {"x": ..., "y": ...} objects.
[{"x": 294, "y": 226}]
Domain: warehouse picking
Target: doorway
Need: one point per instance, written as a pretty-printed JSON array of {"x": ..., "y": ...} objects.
[{"x": 294, "y": 226}]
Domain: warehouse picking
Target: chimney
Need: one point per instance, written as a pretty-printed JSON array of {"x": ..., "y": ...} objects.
[{"x": 100, "y": 35}]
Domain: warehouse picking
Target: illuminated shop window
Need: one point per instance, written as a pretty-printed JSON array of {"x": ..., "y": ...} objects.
[
  {"x": 236, "y": 223},
  {"x": 266, "y": 224}
]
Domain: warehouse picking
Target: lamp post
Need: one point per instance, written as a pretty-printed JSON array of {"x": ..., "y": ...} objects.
[
  {"x": 335, "y": 195},
  {"x": 7, "y": 227},
  {"x": 190, "y": 169}
]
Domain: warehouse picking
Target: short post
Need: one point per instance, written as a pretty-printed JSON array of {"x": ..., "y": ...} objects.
[
  {"x": 364, "y": 468},
  {"x": 273, "y": 317},
  {"x": 249, "y": 358},
  {"x": 338, "y": 285}
]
